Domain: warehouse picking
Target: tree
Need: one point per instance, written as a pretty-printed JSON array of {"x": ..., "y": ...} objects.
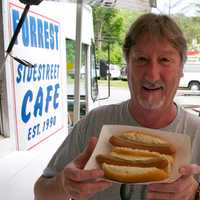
[
  {"x": 190, "y": 27},
  {"x": 107, "y": 25},
  {"x": 110, "y": 26}
]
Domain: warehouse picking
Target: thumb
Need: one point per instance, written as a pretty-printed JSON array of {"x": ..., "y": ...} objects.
[
  {"x": 83, "y": 157},
  {"x": 188, "y": 170}
]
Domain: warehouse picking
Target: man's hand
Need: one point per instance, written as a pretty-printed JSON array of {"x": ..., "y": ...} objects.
[
  {"x": 82, "y": 184},
  {"x": 183, "y": 188}
]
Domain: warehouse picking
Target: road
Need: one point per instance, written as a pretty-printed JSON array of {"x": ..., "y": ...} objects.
[
  {"x": 116, "y": 94},
  {"x": 184, "y": 98}
]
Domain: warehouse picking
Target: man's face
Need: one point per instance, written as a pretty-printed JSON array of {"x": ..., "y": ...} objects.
[{"x": 154, "y": 71}]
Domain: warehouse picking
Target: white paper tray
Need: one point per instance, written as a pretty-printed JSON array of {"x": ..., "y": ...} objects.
[{"x": 181, "y": 143}]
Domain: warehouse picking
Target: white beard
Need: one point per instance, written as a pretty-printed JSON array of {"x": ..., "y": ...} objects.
[{"x": 150, "y": 104}]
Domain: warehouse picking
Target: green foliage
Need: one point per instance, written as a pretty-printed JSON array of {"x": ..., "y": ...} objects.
[
  {"x": 190, "y": 27},
  {"x": 110, "y": 26},
  {"x": 107, "y": 26},
  {"x": 116, "y": 55},
  {"x": 101, "y": 55},
  {"x": 70, "y": 49},
  {"x": 128, "y": 18},
  {"x": 70, "y": 53}
]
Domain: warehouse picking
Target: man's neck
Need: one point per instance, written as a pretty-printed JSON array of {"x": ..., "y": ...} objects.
[{"x": 158, "y": 118}]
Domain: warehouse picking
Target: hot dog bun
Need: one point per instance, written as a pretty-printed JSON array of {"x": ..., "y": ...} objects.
[
  {"x": 133, "y": 157},
  {"x": 139, "y": 140},
  {"x": 127, "y": 174},
  {"x": 139, "y": 165},
  {"x": 137, "y": 157}
]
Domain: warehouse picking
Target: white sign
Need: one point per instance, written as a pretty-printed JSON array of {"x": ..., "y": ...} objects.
[{"x": 38, "y": 90}]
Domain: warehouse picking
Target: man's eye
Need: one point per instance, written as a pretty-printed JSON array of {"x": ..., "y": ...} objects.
[
  {"x": 141, "y": 60},
  {"x": 165, "y": 60}
]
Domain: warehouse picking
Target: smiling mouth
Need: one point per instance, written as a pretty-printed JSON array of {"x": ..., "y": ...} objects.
[{"x": 152, "y": 89}]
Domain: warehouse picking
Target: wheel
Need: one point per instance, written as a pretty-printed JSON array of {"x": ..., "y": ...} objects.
[{"x": 194, "y": 85}]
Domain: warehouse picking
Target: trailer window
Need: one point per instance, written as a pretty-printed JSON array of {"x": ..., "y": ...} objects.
[
  {"x": 94, "y": 70},
  {"x": 70, "y": 54}
]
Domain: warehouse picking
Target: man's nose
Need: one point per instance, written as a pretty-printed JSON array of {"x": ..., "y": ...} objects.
[{"x": 152, "y": 72}]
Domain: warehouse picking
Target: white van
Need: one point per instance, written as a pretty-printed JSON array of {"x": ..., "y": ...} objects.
[
  {"x": 191, "y": 77},
  {"x": 114, "y": 71}
]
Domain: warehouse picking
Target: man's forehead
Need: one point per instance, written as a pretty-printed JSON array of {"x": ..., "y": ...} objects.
[
  {"x": 161, "y": 46},
  {"x": 152, "y": 36},
  {"x": 172, "y": 51}
]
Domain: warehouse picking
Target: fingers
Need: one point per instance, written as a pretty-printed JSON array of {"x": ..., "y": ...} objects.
[
  {"x": 73, "y": 173},
  {"x": 83, "y": 184},
  {"x": 160, "y": 195},
  {"x": 174, "y": 187},
  {"x": 188, "y": 170},
  {"x": 167, "y": 196},
  {"x": 82, "y": 159},
  {"x": 80, "y": 190},
  {"x": 183, "y": 188},
  {"x": 187, "y": 193}
]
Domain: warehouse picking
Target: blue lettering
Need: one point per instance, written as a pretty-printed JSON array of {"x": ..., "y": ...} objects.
[
  {"x": 36, "y": 130},
  {"x": 37, "y": 32},
  {"x": 51, "y": 36},
  {"x": 27, "y": 97},
  {"x": 39, "y": 71},
  {"x": 29, "y": 133},
  {"x": 29, "y": 75},
  {"x": 38, "y": 103},
  {"x": 56, "y": 32},
  {"x": 52, "y": 70},
  {"x": 48, "y": 98},
  {"x": 47, "y": 71},
  {"x": 24, "y": 75},
  {"x": 25, "y": 33},
  {"x": 15, "y": 18},
  {"x": 56, "y": 95},
  {"x": 32, "y": 132},
  {"x": 58, "y": 67},
  {"x": 19, "y": 71},
  {"x": 43, "y": 71},
  {"x": 46, "y": 35},
  {"x": 40, "y": 33},
  {"x": 34, "y": 74},
  {"x": 33, "y": 32}
]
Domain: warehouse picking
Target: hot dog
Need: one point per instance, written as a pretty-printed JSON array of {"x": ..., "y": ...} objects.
[
  {"x": 127, "y": 164},
  {"x": 126, "y": 174},
  {"x": 140, "y": 140}
]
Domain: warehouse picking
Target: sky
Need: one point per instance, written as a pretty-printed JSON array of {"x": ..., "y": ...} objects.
[{"x": 177, "y": 6}]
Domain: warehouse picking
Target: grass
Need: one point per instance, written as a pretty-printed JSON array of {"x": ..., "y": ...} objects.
[{"x": 113, "y": 83}]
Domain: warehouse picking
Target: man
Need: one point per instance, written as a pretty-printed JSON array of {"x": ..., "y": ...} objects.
[{"x": 155, "y": 51}]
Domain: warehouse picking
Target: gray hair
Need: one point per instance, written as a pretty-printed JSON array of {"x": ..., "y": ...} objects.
[{"x": 158, "y": 26}]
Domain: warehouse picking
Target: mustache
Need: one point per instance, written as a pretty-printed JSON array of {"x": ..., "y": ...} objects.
[{"x": 153, "y": 85}]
